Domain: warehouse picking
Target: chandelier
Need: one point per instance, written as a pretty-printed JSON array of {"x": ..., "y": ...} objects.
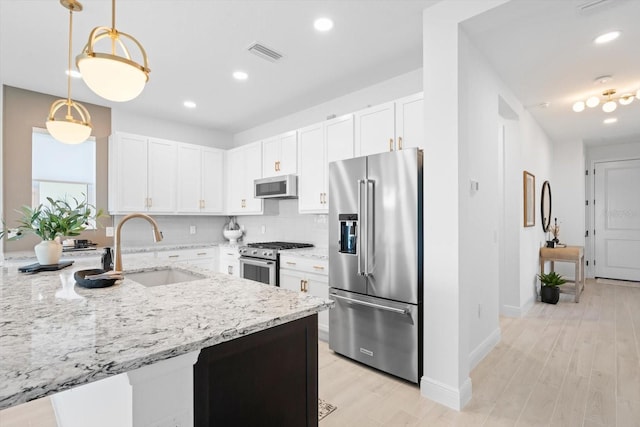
[
  {"x": 610, "y": 100},
  {"x": 110, "y": 75},
  {"x": 69, "y": 130}
]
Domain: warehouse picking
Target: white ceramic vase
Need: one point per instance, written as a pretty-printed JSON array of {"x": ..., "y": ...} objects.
[{"x": 48, "y": 252}]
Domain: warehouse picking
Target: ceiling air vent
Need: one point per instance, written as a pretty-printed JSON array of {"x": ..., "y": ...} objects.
[
  {"x": 264, "y": 52},
  {"x": 592, "y": 5}
]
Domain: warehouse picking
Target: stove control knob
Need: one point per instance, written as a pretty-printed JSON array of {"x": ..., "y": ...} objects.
[
  {"x": 265, "y": 253},
  {"x": 254, "y": 252}
]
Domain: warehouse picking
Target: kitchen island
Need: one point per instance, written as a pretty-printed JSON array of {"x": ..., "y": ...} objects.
[{"x": 54, "y": 339}]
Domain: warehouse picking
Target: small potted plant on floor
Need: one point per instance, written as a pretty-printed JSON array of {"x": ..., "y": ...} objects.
[
  {"x": 549, "y": 290},
  {"x": 50, "y": 222}
]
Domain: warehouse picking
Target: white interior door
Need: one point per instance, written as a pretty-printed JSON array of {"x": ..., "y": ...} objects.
[{"x": 617, "y": 220}]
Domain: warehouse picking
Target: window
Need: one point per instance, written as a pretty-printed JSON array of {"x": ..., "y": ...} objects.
[{"x": 62, "y": 170}]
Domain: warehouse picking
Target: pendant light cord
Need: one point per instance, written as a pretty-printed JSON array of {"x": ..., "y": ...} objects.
[
  {"x": 114, "y": 33},
  {"x": 69, "y": 63}
]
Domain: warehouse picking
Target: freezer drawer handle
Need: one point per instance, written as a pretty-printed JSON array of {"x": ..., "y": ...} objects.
[{"x": 371, "y": 304}]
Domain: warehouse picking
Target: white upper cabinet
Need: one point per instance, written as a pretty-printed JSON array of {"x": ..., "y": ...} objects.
[
  {"x": 142, "y": 174},
  {"x": 280, "y": 155},
  {"x": 319, "y": 145},
  {"x": 244, "y": 164},
  {"x": 410, "y": 122},
  {"x": 391, "y": 126},
  {"x": 200, "y": 179}
]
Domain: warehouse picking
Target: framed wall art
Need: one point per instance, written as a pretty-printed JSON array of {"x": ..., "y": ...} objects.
[{"x": 529, "y": 186}]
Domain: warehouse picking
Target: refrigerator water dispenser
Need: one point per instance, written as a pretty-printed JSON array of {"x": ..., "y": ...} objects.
[{"x": 348, "y": 233}]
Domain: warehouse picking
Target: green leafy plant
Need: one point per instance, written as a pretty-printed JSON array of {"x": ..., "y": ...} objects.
[
  {"x": 551, "y": 279},
  {"x": 57, "y": 218}
]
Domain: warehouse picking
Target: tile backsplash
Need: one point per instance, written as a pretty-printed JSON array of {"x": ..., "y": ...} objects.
[{"x": 286, "y": 225}]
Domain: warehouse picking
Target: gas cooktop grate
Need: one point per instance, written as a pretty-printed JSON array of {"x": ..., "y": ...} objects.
[{"x": 279, "y": 245}]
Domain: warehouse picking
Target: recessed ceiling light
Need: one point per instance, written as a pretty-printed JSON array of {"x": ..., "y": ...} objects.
[
  {"x": 607, "y": 37},
  {"x": 74, "y": 73},
  {"x": 610, "y": 120},
  {"x": 323, "y": 24},
  {"x": 189, "y": 104},
  {"x": 240, "y": 75}
]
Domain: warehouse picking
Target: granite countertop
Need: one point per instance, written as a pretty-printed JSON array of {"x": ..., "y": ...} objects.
[
  {"x": 54, "y": 338},
  {"x": 315, "y": 252},
  {"x": 30, "y": 255}
]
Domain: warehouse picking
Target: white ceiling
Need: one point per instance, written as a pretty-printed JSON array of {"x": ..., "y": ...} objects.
[
  {"x": 544, "y": 52},
  {"x": 542, "y": 49}
]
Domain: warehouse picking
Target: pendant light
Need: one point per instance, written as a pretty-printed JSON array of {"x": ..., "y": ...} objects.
[
  {"x": 110, "y": 75},
  {"x": 69, "y": 130}
]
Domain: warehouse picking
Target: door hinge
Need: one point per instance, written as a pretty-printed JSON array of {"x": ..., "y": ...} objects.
[
  {"x": 586, "y": 172},
  {"x": 587, "y": 263},
  {"x": 586, "y": 203},
  {"x": 586, "y": 233}
]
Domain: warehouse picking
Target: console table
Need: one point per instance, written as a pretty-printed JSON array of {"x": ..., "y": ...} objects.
[{"x": 572, "y": 254}]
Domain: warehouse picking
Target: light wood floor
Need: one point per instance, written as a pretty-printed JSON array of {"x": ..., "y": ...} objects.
[{"x": 563, "y": 365}]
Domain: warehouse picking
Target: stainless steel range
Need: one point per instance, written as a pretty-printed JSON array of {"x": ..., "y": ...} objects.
[{"x": 261, "y": 261}]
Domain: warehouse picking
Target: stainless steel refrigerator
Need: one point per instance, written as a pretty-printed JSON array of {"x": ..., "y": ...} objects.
[{"x": 375, "y": 261}]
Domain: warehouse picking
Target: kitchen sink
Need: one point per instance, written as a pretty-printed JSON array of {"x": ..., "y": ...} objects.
[{"x": 163, "y": 276}]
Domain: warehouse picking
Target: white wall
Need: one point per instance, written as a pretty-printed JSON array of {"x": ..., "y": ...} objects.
[
  {"x": 568, "y": 196},
  {"x": 388, "y": 90},
  {"x": 125, "y": 121}
]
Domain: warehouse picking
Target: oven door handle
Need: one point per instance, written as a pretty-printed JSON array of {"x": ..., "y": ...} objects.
[{"x": 252, "y": 261}]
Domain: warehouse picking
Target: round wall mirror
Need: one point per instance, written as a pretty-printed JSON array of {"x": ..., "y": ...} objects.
[{"x": 545, "y": 206}]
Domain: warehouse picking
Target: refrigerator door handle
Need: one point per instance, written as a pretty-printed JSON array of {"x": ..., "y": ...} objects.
[
  {"x": 403, "y": 311},
  {"x": 365, "y": 226},
  {"x": 363, "y": 234}
]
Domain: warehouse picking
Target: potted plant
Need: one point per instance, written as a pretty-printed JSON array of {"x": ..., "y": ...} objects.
[
  {"x": 50, "y": 221},
  {"x": 549, "y": 290}
]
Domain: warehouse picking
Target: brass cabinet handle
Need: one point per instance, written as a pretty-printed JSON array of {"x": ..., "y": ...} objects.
[
  {"x": 399, "y": 143},
  {"x": 230, "y": 269},
  {"x": 201, "y": 253},
  {"x": 318, "y": 267},
  {"x": 391, "y": 144},
  {"x": 275, "y": 166},
  {"x": 291, "y": 263},
  {"x": 305, "y": 286},
  {"x": 174, "y": 256},
  {"x": 301, "y": 286}
]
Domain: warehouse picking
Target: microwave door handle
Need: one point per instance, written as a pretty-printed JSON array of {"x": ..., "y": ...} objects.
[{"x": 362, "y": 234}]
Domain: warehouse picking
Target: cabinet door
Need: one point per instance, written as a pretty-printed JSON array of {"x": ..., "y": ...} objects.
[
  {"x": 292, "y": 280},
  {"x": 235, "y": 182},
  {"x": 410, "y": 122},
  {"x": 288, "y": 154},
  {"x": 212, "y": 180},
  {"x": 311, "y": 177},
  {"x": 252, "y": 166},
  {"x": 229, "y": 263},
  {"x": 318, "y": 286},
  {"x": 189, "y": 178},
  {"x": 270, "y": 157},
  {"x": 131, "y": 173},
  {"x": 339, "y": 136},
  {"x": 161, "y": 180},
  {"x": 375, "y": 129}
]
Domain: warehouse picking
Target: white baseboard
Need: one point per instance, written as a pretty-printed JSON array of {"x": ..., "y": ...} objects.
[
  {"x": 485, "y": 347},
  {"x": 323, "y": 333},
  {"x": 454, "y": 398},
  {"x": 515, "y": 311}
]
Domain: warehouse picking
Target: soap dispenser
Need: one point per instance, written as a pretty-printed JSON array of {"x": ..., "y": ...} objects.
[{"x": 107, "y": 260}]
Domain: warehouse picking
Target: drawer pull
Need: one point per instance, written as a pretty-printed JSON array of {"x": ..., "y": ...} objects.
[
  {"x": 174, "y": 256},
  {"x": 201, "y": 253},
  {"x": 291, "y": 263},
  {"x": 318, "y": 267}
]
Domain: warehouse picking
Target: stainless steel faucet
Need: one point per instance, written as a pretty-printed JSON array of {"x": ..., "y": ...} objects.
[{"x": 157, "y": 235}]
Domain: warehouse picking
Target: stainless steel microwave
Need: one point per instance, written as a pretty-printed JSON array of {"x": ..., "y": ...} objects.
[{"x": 276, "y": 187}]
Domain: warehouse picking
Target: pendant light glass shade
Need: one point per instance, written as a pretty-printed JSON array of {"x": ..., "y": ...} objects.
[
  {"x": 113, "y": 75},
  {"x": 67, "y": 129}
]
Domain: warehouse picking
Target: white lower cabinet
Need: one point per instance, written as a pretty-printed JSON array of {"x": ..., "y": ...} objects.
[
  {"x": 229, "y": 261},
  {"x": 311, "y": 275},
  {"x": 204, "y": 258}
]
